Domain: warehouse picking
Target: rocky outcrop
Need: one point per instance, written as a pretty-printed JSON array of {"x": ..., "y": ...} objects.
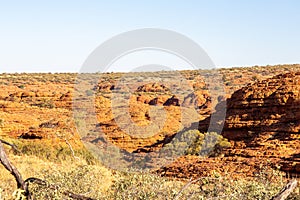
[
  {"x": 174, "y": 101},
  {"x": 200, "y": 100},
  {"x": 152, "y": 87},
  {"x": 263, "y": 120},
  {"x": 105, "y": 87}
]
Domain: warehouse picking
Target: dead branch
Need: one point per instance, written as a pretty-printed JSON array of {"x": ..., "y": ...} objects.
[
  {"x": 76, "y": 196},
  {"x": 55, "y": 187},
  {"x": 286, "y": 191},
  {"x": 69, "y": 145},
  {"x": 185, "y": 187},
  {"x": 12, "y": 169},
  {"x": 71, "y": 149},
  {"x": 24, "y": 185},
  {"x": 11, "y": 145}
]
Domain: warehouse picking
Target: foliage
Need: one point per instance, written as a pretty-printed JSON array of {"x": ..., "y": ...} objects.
[
  {"x": 98, "y": 182},
  {"x": 48, "y": 151},
  {"x": 192, "y": 142},
  {"x": 143, "y": 185},
  {"x": 213, "y": 144},
  {"x": 79, "y": 179},
  {"x": 45, "y": 104},
  {"x": 89, "y": 92}
]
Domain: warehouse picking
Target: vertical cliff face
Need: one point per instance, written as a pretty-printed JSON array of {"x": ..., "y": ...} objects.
[
  {"x": 263, "y": 120},
  {"x": 270, "y": 105}
]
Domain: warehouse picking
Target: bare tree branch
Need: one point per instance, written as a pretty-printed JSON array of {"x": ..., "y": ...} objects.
[
  {"x": 12, "y": 169},
  {"x": 286, "y": 191},
  {"x": 185, "y": 187},
  {"x": 71, "y": 149},
  {"x": 12, "y": 145},
  {"x": 24, "y": 185},
  {"x": 76, "y": 196}
]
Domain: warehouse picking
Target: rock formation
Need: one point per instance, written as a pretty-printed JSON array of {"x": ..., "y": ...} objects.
[{"x": 263, "y": 120}]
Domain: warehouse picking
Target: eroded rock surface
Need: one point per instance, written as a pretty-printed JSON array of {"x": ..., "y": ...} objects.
[
  {"x": 262, "y": 122},
  {"x": 262, "y": 119}
]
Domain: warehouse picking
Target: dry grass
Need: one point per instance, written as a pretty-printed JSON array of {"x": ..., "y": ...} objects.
[
  {"x": 101, "y": 183},
  {"x": 74, "y": 175}
]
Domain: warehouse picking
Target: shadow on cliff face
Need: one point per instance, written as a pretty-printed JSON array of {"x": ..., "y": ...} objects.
[
  {"x": 265, "y": 111},
  {"x": 270, "y": 105},
  {"x": 263, "y": 120}
]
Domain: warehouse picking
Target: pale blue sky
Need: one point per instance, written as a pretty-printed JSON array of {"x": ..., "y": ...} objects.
[{"x": 44, "y": 36}]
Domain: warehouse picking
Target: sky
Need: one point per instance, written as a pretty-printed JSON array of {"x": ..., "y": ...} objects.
[{"x": 58, "y": 36}]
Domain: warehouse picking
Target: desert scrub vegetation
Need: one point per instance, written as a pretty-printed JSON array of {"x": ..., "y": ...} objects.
[
  {"x": 49, "y": 151},
  {"x": 193, "y": 142},
  {"x": 74, "y": 175},
  {"x": 144, "y": 185},
  {"x": 98, "y": 182}
]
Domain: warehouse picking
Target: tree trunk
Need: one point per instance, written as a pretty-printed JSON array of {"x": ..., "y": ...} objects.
[{"x": 12, "y": 169}]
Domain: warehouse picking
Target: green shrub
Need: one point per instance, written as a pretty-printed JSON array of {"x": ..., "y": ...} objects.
[
  {"x": 89, "y": 92},
  {"x": 213, "y": 144},
  {"x": 192, "y": 142},
  {"x": 45, "y": 104}
]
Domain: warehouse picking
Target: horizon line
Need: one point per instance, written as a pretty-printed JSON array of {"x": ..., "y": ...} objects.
[{"x": 187, "y": 69}]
